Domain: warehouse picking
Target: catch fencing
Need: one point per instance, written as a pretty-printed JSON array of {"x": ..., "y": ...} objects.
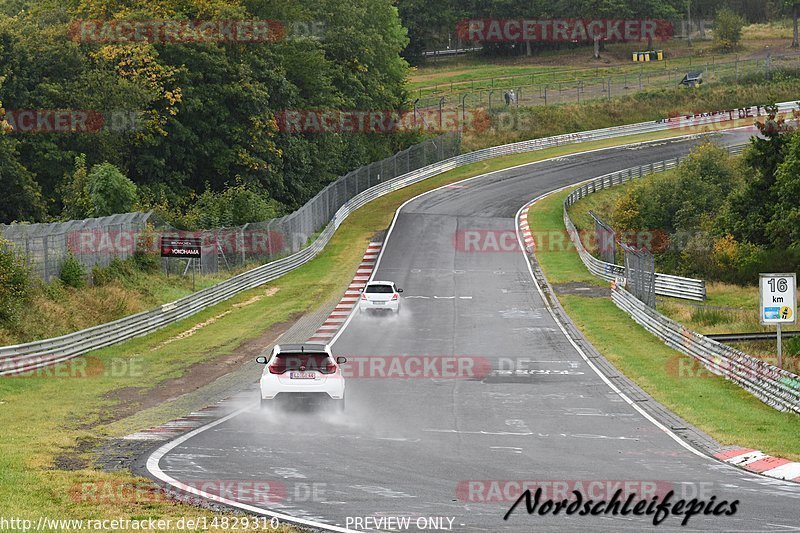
[
  {"x": 30, "y": 356},
  {"x": 97, "y": 241},
  {"x": 772, "y": 385},
  {"x": 93, "y": 241},
  {"x": 640, "y": 274}
]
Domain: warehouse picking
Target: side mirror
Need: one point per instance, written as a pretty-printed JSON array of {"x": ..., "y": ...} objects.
[
  {"x": 399, "y": 290},
  {"x": 361, "y": 289},
  {"x": 341, "y": 360},
  {"x": 261, "y": 360}
]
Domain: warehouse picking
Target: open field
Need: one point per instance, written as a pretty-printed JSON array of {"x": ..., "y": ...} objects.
[
  {"x": 714, "y": 405},
  {"x": 475, "y": 71}
]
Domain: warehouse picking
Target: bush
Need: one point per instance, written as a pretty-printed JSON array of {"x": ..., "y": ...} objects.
[
  {"x": 727, "y": 30},
  {"x": 73, "y": 273},
  {"x": 117, "y": 270},
  {"x": 145, "y": 257},
  {"x": 15, "y": 284},
  {"x": 110, "y": 191},
  {"x": 234, "y": 206},
  {"x": 791, "y": 346}
]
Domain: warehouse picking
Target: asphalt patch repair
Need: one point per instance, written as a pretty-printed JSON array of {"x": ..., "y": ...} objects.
[{"x": 582, "y": 289}]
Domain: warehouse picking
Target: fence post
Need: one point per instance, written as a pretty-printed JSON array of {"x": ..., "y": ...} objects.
[{"x": 46, "y": 259}]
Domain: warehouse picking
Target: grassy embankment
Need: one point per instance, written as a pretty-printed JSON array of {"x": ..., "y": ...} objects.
[{"x": 716, "y": 406}]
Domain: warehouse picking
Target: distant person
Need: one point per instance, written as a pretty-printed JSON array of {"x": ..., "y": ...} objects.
[
  {"x": 512, "y": 97},
  {"x": 507, "y": 96}
]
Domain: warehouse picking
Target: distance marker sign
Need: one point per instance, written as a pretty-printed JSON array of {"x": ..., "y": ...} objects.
[
  {"x": 187, "y": 247},
  {"x": 778, "y": 298}
]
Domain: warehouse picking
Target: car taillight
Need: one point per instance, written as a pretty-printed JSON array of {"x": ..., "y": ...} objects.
[
  {"x": 394, "y": 296},
  {"x": 330, "y": 368},
  {"x": 277, "y": 369},
  {"x": 363, "y": 296}
]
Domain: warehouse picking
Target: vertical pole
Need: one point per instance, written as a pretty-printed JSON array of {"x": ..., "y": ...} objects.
[
  {"x": 780, "y": 348},
  {"x": 194, "y": 267}
]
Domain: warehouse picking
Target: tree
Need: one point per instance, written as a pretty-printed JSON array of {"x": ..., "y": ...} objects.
[
  {"x": 793, "y": 5},
  {"x": 783, "y": 227},
  {"x": 110, "y": 191},
  {"x": 75, "y": 194},
  {"x": 727, "y": 29},
  {"x": 747, "y": 209}
]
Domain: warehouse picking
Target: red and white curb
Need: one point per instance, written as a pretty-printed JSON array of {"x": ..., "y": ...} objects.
[
  {"x": 761, "y": 463},
  {"x": 525, "y": 230},
  {"x": 339, "y": 315},
  {"x": 173, "y": 428}
]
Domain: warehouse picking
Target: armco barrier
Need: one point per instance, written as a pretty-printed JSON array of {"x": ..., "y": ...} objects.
[
  {"x": 26, "y": 357},
  {"x": 666, "y": 284},
  {"x": 772, "y": 385}
]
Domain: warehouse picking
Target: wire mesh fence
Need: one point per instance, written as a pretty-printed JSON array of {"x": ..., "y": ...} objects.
[
  {"x": 640, "y": 274},
  {"x": 96, "y": 241},
  {"x": 606, "y": 239},
  {"x": 93, "y": 241},
  {"x": 592, "y": 85}
]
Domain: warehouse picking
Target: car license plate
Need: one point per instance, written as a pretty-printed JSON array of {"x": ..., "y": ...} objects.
[
  {"x": 378, "y": 303},
  {"x": 302, "y": 375}
]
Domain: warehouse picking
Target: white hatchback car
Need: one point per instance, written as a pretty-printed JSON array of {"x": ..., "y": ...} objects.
[
  {"x": 305, "y": 373},
  {"x": 380, "y": 296}
]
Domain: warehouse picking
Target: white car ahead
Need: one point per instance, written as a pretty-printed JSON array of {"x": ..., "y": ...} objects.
[
  {"x": 305, "y": 373},
  {"x": 380, "y": 296}
]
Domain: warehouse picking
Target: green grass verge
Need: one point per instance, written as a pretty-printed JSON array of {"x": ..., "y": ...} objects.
[
  {"x": 716, "y": 406},
  {"x": 45, "y": 416}
]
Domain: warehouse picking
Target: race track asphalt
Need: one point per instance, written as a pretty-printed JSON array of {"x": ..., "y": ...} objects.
[{"x": 527, "y": 409}]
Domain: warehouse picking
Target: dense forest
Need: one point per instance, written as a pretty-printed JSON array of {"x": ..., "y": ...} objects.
[
  {"x": 197, "y": 118},
  {"x": 192, "y": 128}
]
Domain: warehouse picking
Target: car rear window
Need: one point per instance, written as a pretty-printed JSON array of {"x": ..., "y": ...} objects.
[
  {"x": 381, "y": 289},
  {"x": 301, "y": 361}
]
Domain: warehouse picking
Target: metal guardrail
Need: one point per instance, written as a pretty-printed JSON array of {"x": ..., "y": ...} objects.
[
  {"x": 30, "y": 356},
  {"x": 666, "y": 284},
  {"x": 772, "y": 385},
  {"x": 744, "y": 337}
]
